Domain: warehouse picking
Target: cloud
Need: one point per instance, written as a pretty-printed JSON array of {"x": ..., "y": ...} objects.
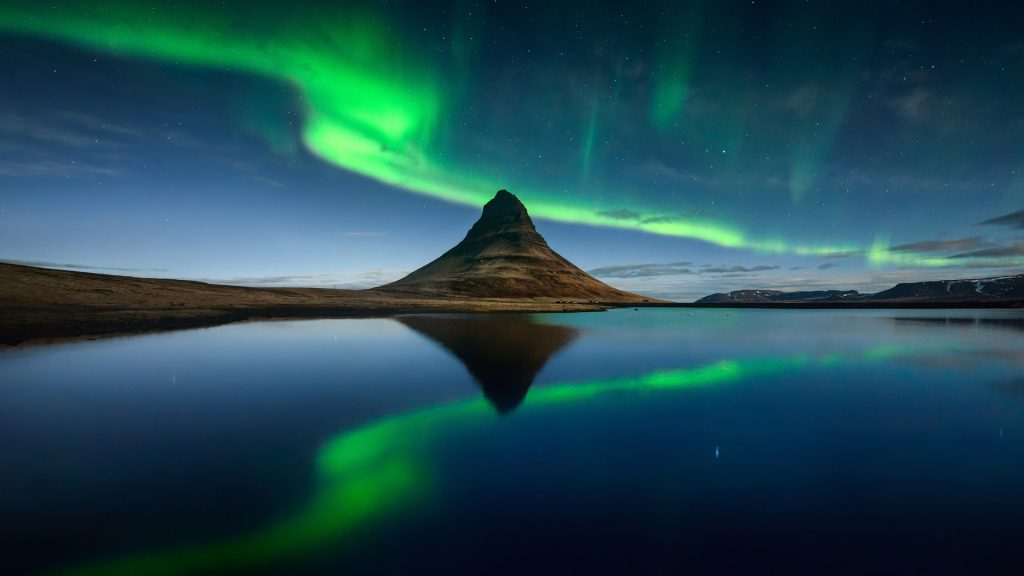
[
  {"x": 374, "y": 278},
  {"x": 1016, "y": 249},
  {"x": 254, "y": 171},
  {"x": 845, "y": 254},
  {"x": 268, "y": 181},
  {"x": 633, "y": 215},
  {"x": 643, "y": 270},
  {"x": 651, "y": 270},
  {"x": 827, "y": 265},
  {"x": 972, "y": 243},
  {"x": 657, "y": 220},
  {"x": 1013, "y": 220},
  {"x": 737, "y": 269},
  {"x": 623, "y": 214},
  {"x": 62, "y": 144},
  {"x": 345, "y": 280},
  {"x": 48, "y": 264},
  {"x": 66, "y": 144},
  {"x": 25, "y": 130},
  {"x": 66, "y": 129},
  {"x": 29, "y": 168},
  {"x": 97, "y": 124},
  {"x": 283, "y": 280}
]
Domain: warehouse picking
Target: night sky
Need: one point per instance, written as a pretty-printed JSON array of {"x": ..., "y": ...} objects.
[{"x": 670, "y": 148}]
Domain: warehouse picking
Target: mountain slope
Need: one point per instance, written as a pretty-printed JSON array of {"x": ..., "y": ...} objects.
[
  {"x": 503, "y": 256},
  {"x": 779, "y": 296},
  {"x": 1001, "y": 288}
]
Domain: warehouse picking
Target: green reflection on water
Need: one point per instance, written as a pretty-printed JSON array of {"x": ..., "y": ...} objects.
[{"x": 366, "y": 473}]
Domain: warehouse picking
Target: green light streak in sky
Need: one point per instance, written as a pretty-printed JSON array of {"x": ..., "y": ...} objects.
[
  {"x": 378, "y": 109},
  {"x": 588, "y": 139},
  {"x": 818, "y": 113},
  {"x": 880, "y": 255},
  {"x": 675, "y": 62},
  {"x": 814, "y": 143},
  {"x": 370, "y": 472},
  {"x": 667, "y": 103}
]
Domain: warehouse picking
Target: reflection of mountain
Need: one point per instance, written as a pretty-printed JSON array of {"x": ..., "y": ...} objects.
[
  {"x": 504, "y": 353},
  {"x": 959, "y": 322},
  {"x": 1015, "y": 387}
]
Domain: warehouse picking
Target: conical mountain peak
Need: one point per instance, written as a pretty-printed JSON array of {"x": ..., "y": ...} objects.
[
  {"x": 502, "y": 213},
  {"x": 505, "y": 203},
  {"x": 503, "y": 256}
]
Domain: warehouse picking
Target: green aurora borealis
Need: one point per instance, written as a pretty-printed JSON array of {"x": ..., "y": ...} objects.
[
  {"x": 376, "y": 106},
  {"x": 369, "y": 108}
]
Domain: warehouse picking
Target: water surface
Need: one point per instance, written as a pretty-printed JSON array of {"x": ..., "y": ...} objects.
[{"x": 657, "y": 441}]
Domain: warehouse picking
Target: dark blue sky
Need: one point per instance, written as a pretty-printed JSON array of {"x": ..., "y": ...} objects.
[{"x": 673, "y": 149}]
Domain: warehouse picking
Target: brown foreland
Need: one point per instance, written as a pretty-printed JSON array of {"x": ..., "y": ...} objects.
[
  {"x": 39, "y": 304},
  {"x": 503, "y": 265}
]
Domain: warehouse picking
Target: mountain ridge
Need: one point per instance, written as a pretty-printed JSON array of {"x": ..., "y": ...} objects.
[{"x": 994, "y": 289}]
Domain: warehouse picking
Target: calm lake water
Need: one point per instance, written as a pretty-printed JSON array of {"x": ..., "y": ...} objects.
[{"x": 670, "y": 441}]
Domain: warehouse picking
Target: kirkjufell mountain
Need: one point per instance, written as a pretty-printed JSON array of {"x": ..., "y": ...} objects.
[{"x": 503, "y": 256}]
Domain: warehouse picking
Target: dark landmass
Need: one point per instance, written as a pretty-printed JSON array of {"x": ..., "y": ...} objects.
[
  {"x": 1001, "y": 292},
  {"x": 1001, "y": 288},
  {"x": 44, "y": 304},
  {"x": 503, "y": 265},
  {"x": 1014, "y": 324},
  {"x": 752, "y": 296},
  {"x": 854, "y": 304}
]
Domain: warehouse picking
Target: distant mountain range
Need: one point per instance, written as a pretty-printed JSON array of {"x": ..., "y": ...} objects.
[{"x": 1000, "y": 289}]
